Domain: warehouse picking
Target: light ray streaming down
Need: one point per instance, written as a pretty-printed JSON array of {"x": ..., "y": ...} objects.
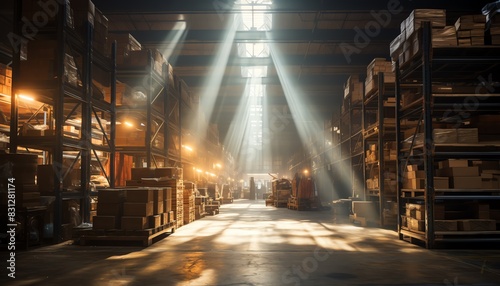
[
  {"x": 213, "y": 82},
  {"x": 309, "y": 126},
  {"x": 175, "y": 40}
]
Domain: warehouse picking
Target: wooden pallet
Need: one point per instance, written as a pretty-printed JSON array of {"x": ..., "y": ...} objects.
[{"x": 145, "y": 237}]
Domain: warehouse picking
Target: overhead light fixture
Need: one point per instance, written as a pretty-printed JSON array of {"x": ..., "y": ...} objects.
[
  {"x": 25, "y": 97},
  {"x": 129, "y": 124}
]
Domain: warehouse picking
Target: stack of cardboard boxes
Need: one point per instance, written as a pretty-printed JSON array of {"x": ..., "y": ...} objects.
[
  {"x": 470, "y": 30},
  {"x": 414, "y": 179},
  {"x": 125, "y": 43},
  {"x": 353, "y": 90},
  {"x": 408, "y": 43},
  {"x": 378, "y": 65},
  {"x": 415, "y": 220},
  {"x": 131, "y": 209},
  {"x": 5, "y": 80},
  {"x": 165, "y": 178},
  {"x": 460, "y": 174},
  {"x": 189, "y": 202},
  {"x": 415, "y": 217}
]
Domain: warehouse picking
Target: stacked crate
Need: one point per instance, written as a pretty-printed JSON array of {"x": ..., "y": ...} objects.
[
  {"x": 407, "y": 44},
  {"x": 164, "y": 178},
  {"x": 353, "y": 89},
  {"x": 378, "y": 65},
  {"x": 177, "y": 200},
  {"x": 5, "y": 80},
  {"x": 109, "y": 209},
  {"x": 470, "y": 30},
  {"x": 188, "y": 204},
  {"x": 131, "y": 209},
  {"x": 168, "y": 215}
]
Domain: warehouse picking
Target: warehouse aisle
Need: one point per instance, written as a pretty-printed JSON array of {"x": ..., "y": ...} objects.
[{"x": 250, "y": 244}]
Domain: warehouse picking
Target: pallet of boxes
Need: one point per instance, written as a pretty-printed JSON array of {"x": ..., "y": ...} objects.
[
  {"x": 407, "y": 46},
  {"x": 377, "y": 66},
  {"x": 471, "y": 215},
  {"x": 168, "y": 177},
  {"x": 130, "y": 215},
  {"x": 189, "y": 202}
]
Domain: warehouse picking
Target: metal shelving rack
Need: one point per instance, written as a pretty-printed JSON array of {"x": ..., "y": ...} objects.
[
  {"x": 66, "y": 102},
  {"x": 357, "y": 150},
  {"x": 455, "y": 65},
  {"x": 154, "y": 112},
  {"x": 377, "y": 108},
  {"x": 174, "y": 119},
  {"x": 351, "y": 159}
]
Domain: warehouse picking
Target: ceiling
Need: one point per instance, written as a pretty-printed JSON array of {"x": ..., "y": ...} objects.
[{"x": 308, "y": 35}]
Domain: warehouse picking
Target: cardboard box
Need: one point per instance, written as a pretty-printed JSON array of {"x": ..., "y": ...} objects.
[
  {"x": 138, "y": 209},
  {"x": 167, "y": 205},
  {"x": 414, "y": 184},
  {"x": 441, "y": 183},
  {"x": 158, "y": 195},
  {"x": 164, "y": 218},
  {"x": 453, "y": 163},
  {"x": 366, "y": 209},
  {"x": 489, "y": 184},
  {"x": 415, "y": 175},
  {"x": 158, "y": 207},
  {"x": 477, "y": 225},
  {"x": 110, "y": 209},
  {"x": 5, "y": 70},
  {"x": 415, "y": 224},
  {"x": 445, "y": 225},
  {"x": 412, "y": 168},
  {"x": 466, "y": 182},
  {"x": 104, "y": 222},
  {"x": 140, "y": 195},
  {"x": 155, "y": 221},
  {"x": 467, "y": 135},
  {"x": 458, "y": 172},
  {"x": 445, "y": 136},
  {"x": 111, "y": 196},
  {"x": 134, "y": 223}
]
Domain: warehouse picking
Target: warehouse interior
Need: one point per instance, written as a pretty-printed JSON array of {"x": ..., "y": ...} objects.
[{"x": 250, "y": 142}]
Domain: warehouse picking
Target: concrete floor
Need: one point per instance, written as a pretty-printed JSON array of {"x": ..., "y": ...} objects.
[{"x": 250, "y": 244}]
